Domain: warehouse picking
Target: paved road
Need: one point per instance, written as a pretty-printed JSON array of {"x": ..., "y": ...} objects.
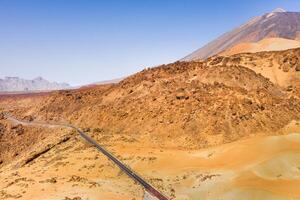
[{"x": 133, "y": 175}]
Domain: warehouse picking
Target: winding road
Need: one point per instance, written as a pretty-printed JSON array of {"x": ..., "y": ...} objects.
[{"x": 133, "y": 175}]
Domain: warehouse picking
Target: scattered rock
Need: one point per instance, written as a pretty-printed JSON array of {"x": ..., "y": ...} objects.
[
  {"x": 181, "y": 96},
  {"x": 77, "y": 97},
  {"x": 216, "y": 60},
  {"x": 18, "y": 129},
  {"x": 51, "y": 180},
  {"x": 208, "y": 177},
  {"x": 74, "y": 198},
  {"x": 75, "y": 178},
  {"x": 98, "y": 130},
  {"x": 28, "y": 118},
  {"x": 2, "y": 129},
  {"x": 5, "y": 195},
  {"x": 2, "y": 116},
  {"x": 286, "y": 67},
  {"x": 86, "y": 129},
  {"x": 289, "y": 88}
]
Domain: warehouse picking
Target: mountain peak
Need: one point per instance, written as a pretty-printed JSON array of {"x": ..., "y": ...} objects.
[
  {"x": 278, "y": 10},
  {"x": 277, "y": 24},
  {"x": 16, "y": 84}
]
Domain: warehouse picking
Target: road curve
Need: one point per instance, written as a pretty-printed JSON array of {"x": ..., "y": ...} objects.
[{"x": 133, "y": 175}]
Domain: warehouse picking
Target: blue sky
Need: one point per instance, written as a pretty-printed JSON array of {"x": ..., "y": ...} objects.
[{"x": 81, "y": 41}]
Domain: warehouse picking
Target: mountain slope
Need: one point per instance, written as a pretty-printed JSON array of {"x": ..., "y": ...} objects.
[
  {"x": 268, "y": 44},
  {"x": 278, "y": 23},
  {"x": 15, "y": 84},
  {"x": 281, "y": 67}
]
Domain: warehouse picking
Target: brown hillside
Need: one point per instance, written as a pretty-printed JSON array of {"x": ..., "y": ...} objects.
[
  {"x": 281, "y": 67},
  {"x": 198, "y": 103}
]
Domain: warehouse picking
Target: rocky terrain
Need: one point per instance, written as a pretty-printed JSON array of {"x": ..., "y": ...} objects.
[
  {"x": 213, "y": 129},
  {"x": 16, "y": 84},
  {"x": 70, "y": 169},
  {"x": 281, "y": 68},
  {"x": 277, "y": 24},
  {"x": 202, "y": 103}
]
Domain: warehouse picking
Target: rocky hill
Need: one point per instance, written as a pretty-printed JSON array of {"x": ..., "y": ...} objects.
[
  {"x": 16, "y": 84},
  {"x": 204, "y": 103},
  {"x": 278, "y": 24},
  {"x": 280, "y": 67}
]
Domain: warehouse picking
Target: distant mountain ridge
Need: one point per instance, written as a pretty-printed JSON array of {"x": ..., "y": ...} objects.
[
  {"x": 277, "y": 24},
  {"x": 16, "y": 84}
]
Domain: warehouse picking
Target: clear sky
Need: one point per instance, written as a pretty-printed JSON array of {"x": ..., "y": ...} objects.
[{"x": 85, "y": 41}]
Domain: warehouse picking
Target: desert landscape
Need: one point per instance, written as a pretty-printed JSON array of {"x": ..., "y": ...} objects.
[
  {"x": 251, "y": 124},
  {"x": 221, "y": 123}
]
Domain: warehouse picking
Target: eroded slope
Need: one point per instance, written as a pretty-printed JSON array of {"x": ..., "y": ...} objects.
[{"x": 198, "y": 103}]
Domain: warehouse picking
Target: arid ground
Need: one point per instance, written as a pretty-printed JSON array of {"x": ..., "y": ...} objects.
[{"x": 224, "y": 128}]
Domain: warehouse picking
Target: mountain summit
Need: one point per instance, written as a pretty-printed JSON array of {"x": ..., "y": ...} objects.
[
  {"x": 278, "y": 10},
  {"x": 276, "y": 24}
]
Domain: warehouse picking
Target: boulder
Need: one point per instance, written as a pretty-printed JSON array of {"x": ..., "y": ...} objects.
[
  {"x": 285, "y": 67},
  {"x": 297, "y": 68},
  {"x": 29, "y": 118},
  {"x": 2, "y": 116},
  {"x": 2, "y": 129},
  {"x": 18, "y": 129},
  {"x": 181, "y": 95}
]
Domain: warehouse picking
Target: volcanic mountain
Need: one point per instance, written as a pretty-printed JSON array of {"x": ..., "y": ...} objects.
[
  {"x": 16, "y": 84},
  {"x": 277, "y": 24}
]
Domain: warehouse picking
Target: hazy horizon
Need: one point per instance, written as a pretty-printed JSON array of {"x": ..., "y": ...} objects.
[{"x": 80, "y": 43}]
